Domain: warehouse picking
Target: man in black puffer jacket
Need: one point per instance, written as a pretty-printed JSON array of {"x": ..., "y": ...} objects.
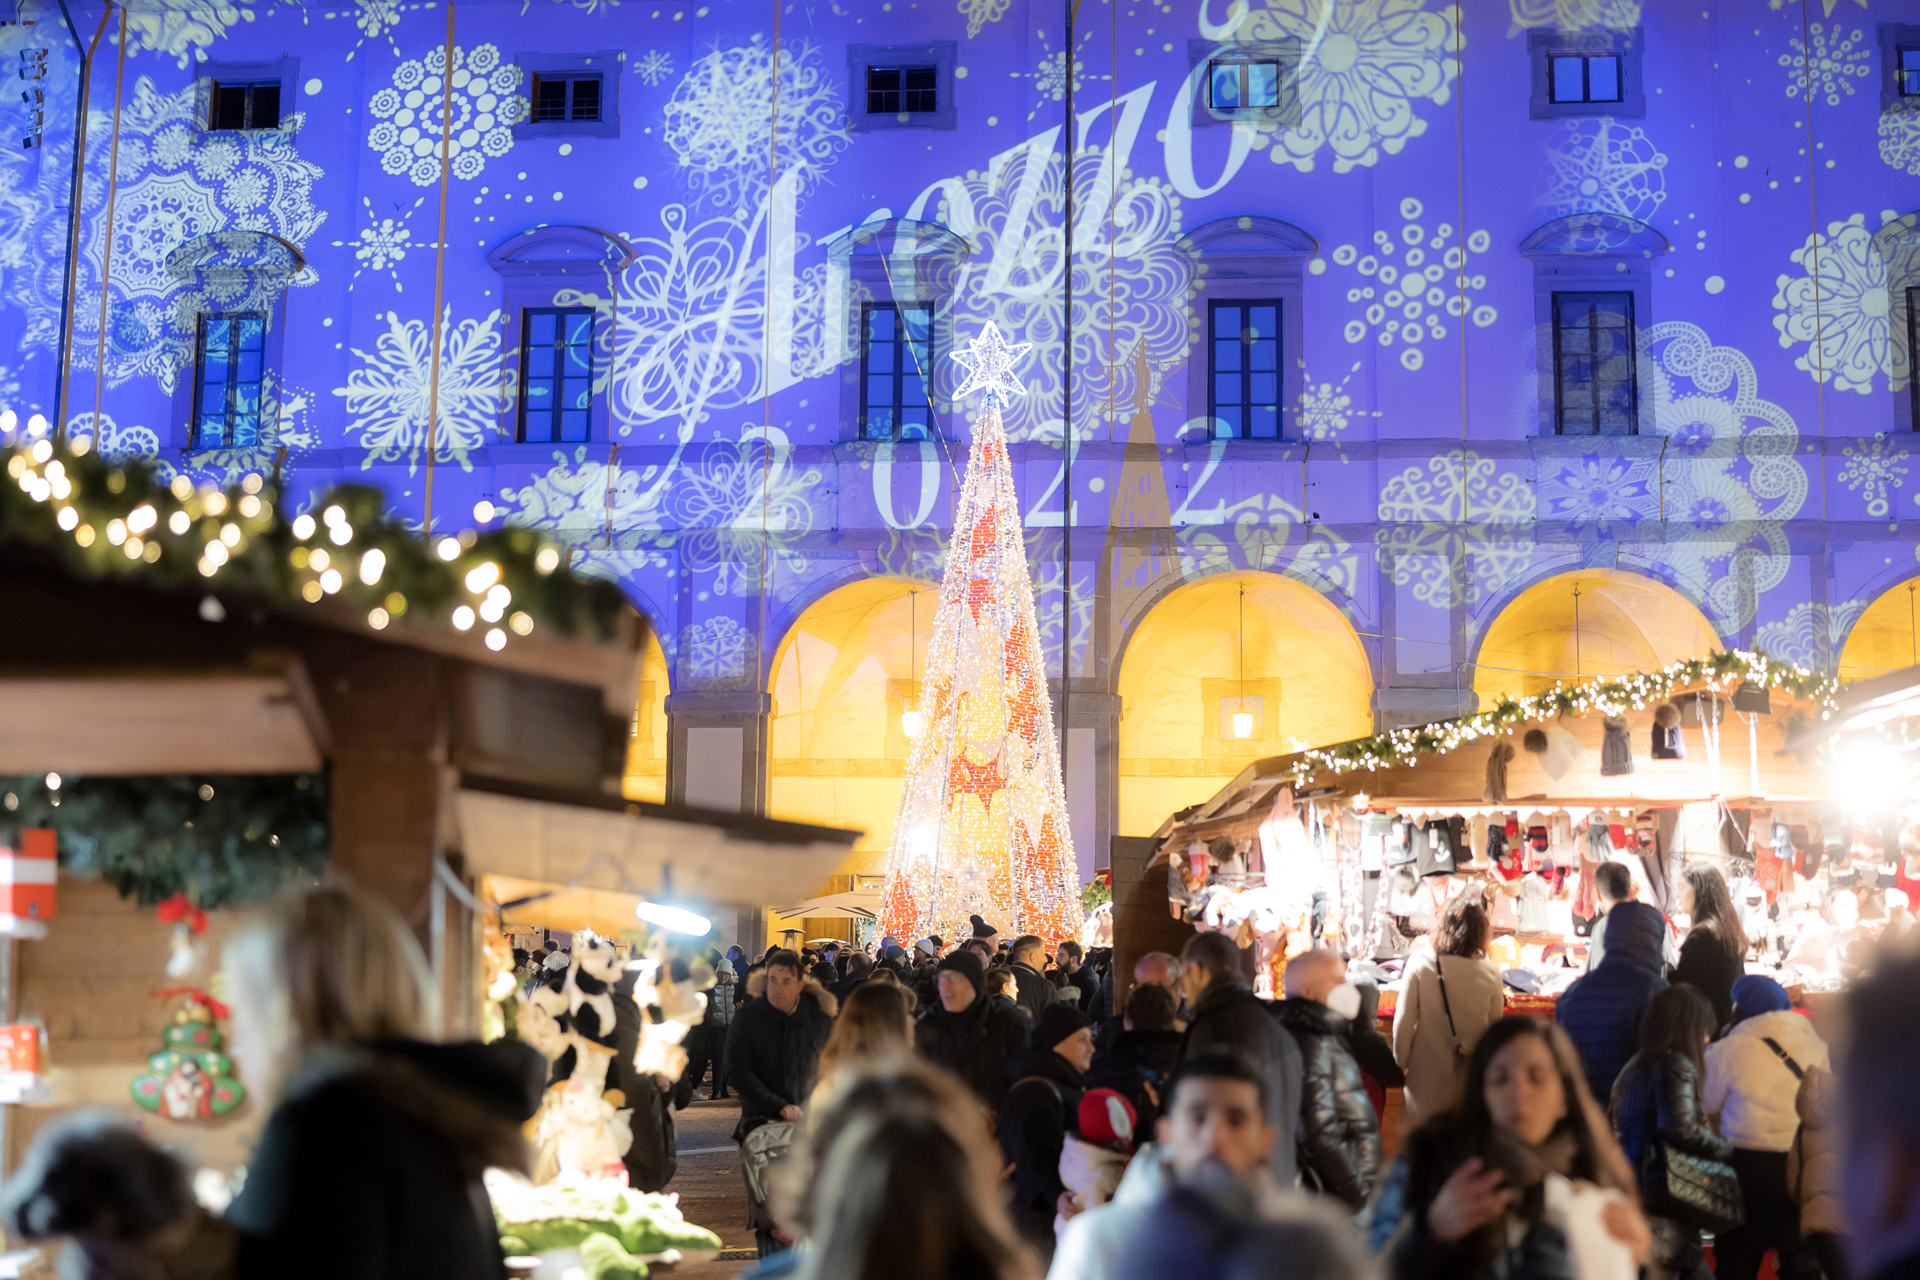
[
  {"x": 1339, "y": 1134},
  {"x": 969, "y": 1034}
]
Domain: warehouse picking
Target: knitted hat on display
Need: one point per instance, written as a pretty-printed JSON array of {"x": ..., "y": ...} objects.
[
  {"x": 981, "y": 929},
  {"x": 1107, "y": 1119},
  {"x": 1057, "y": 1021},
  {"x": 967, "y": 965}
]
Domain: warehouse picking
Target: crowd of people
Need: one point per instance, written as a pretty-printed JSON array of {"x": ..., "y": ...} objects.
[{"x": 993, "y": 1112}]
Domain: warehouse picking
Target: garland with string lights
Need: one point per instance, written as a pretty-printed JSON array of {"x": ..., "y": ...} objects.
[
  {"x": 104, "y": 517},
  {"x": 1719, "y": 670}
]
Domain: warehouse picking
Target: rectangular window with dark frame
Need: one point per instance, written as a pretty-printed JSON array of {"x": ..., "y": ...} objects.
[
  {"x": 1913, "y": 351},
  {"x": 1584, "y": 77},
  {"x": 1593, "y": 364},
  {"x": 895, "y": 349},
  {"x": 559, "y": 98},
  {"x": 1243, "y": 370},
  {"x": 893, "y": 90},
  {"x": 229, "y": 372},
  {"x": 1239, "y": 85},
  {"x": 1907, "y": 73},
  {"x": 556, "y": 375},
  {"x": 253, "y": 105}
]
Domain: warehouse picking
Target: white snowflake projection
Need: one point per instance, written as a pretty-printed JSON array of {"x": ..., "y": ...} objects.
[
  {"x": 1366, "y": 63},
  {"x": 383, "y": 243},
  {"x": 1573, "y": 15},
  {"x": 387, "y": 400},
  {"x": 609, "y": 512},
  {"x": 376, "y": 21},
  {"x": 1322, "y": 412},
  {"x": 1594, "y": 492},
  {"x": 1732, "y": 475},
  {"x": 1601, "y": 165},
  {"x": 1826, "y": 63},
  {"x": 1050, "y": 76},
  {"x": 113, "y": 442},
  {"x": 979, "y": 13},
  {"x": 175, "y": 183},
  {"x": 1132, "y": 290},
  {"x": 1840, "y": 309},
  {"x": 655, "y": 67},
  {"x": 743, "y": 509},
  {"x": 743, "y": 113},
  {"x": 715, "y": 649},
  {"x": 181, "y": 28},
  {"x": 1416, "y": 283},
  {"x": 1829, "y": 6},
  {"x": 1900, "y": 138},
  {"x": 1811, "y": 635},
  {"x": 1458, "y": 530},
  {"x": 1873, "y": 467},
  {"x": 1047, "y": 604},
  {"x": 475, "y": 108}
]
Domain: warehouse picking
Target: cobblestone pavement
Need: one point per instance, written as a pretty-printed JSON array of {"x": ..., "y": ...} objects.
[{"x": 710, "y": 1186}]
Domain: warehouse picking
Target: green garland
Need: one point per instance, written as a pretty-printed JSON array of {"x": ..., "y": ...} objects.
[
  {"x": 217, "y": 839},
  {"x": 104, "y": 518},
  {"x": 1723, "y": 668}
]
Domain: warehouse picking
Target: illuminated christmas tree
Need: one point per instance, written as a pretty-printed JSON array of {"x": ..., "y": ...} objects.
[{"x": 982, "y": 828}]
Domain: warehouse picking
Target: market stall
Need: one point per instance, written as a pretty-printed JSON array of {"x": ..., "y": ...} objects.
[{"x": 1363, "y": 844}]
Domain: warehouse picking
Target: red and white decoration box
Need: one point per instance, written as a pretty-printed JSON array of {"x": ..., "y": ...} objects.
[{"x": 28, "y": 875}]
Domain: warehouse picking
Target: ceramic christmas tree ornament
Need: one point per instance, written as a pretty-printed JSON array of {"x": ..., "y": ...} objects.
[{"x": 191, "y": 1078}]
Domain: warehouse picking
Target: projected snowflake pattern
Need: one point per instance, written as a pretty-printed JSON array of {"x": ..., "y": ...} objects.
[
  {"x": 655, "y": 67},
  {"x": 476, "y": 114},
  {"x": 1873, "y": 468},
  {"x": 1368, "y": 62},
  {"x": 383, "y": 243},
  {"x": 1603, "y": 166},
  {"x": 1825, "y": 64},
  {"x": 1323, "y": 412},
  {"x": 1900, "y": 138},
  {"x": 181, "y": 28},
  {"x": 1573, "y": 15},
  {"x": 1811, "y": 634},
  {"x": 1595, "y": 492},
  {"x": 1732, "y": 476},
  {"x": 1136, "y": 287},
  {"x": 715, "y": 649},
  {"x": 1839, "y": 308},
  {"x": 1458, "y": 530},
  {"x": 720, "y": 121},
  {"x": 742, "y": 508},
  {"x": 1047, "y": 602},
  {"x": 1414, "y": 297},
  {"x": 376, "y": 21},
  {"x": 979, "y": 13},
  {"x": 387, "y": 400}
]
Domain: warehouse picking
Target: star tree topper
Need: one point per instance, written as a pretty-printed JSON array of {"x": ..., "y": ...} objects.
[{"x": 989, "y": 362}]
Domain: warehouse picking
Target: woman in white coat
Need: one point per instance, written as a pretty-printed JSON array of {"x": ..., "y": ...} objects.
[{"x": 1448, "y": 1001}]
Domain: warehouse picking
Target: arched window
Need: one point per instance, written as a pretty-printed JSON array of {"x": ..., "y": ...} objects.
[
  {"x": 1593, "y": 295},
  {"x": 1250, "y": 273},
  {"x": 231, "y": 283}
]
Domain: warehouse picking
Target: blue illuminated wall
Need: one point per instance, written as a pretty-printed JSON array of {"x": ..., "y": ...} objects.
[{"x": 1760, "y": 200}]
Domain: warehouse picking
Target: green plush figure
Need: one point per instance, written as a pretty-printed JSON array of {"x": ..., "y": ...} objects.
[
  {"x": 611, "y": 1226},
  {"x": 192, "y": 1077}
]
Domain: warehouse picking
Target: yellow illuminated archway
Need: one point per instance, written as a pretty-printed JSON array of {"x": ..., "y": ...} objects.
[
  {"x": 1594, "y": 622},
  {"x": 843, "y": 679},
  {"x": 646, "y": 772},
  {"x": 1305, "y": 677},
  {"x": 1886, "y": 637}
]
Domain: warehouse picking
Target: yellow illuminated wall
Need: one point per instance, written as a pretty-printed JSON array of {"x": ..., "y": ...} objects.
[
  {"x": 646, "y": 773},
  {"x": 1886, "y": 637},
  {"x": 1626, "y": 623},
  {"x": 1305, "y": 677},
  {"x": 841, "y": 679}
]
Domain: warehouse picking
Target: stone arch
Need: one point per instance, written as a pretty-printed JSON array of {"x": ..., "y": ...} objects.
[
  {"x": 1620, "y": 622},
  {"x": 1296, "y": 664},
  {"x": 1886, "y": 635}
]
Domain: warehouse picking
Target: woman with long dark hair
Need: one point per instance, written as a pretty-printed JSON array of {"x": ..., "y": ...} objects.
[
  {"x": 1467, "y": 1199},
  {"x": 1714, "y": 954},
  {"x": 1656, "y": 1105}
]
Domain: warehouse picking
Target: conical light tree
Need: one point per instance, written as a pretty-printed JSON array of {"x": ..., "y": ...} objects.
[{"x": 982, "y": 828}]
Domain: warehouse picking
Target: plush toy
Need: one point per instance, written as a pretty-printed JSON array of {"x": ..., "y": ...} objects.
[
  {"x": 582, "y": 1128},
  {"x": 611, "y": 1227},
  {"x": 589, "y": 987},
  {"x": 1093, "y": 1160},
  {"x": 545, "y": 1023},
  {"x": 669, "y": 992}
]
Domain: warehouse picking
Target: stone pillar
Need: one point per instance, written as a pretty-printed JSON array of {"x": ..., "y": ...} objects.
[
  {"x": 1090, "y": 770},
  {"x": 717, "y": 742}
]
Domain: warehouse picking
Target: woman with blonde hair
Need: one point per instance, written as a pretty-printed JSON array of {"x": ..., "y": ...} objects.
[
  {"x": 370, "y": 1162},
  {"x": 899, "y": 1178},
  {"x": 875, "y": 1028}
]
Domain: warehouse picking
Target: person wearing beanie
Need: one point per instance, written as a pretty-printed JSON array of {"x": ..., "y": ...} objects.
[
  {"x": 981, "y": 929},
  {"x": 1753, "y": 1077},
  {"x": 1040, "y": 1109},
  {"x": 1096, "y": 1153},
  {"x": 965, "y": 1032}
]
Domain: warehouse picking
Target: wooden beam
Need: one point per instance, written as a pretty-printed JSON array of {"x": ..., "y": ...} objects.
[{"x": 155, "y": 722}]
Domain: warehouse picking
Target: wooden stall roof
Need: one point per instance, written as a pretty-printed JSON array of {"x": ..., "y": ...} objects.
[{"x": 1760, "y": 763}]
